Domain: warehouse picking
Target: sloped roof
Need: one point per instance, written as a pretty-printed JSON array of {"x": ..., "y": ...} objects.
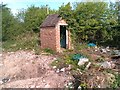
[{"x": 51, "y": 20}]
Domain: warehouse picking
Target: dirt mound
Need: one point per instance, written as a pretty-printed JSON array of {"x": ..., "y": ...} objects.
[{"x": 25, "y": 69}]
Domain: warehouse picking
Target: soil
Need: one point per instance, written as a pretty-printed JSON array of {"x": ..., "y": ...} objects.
[{"x": 24, "y": 69}]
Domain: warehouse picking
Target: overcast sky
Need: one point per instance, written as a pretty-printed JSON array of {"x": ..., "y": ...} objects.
[{"x": 16, "y": 5}]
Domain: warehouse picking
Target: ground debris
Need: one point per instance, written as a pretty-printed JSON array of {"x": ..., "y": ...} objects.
[{"x": 27, "y": 70}]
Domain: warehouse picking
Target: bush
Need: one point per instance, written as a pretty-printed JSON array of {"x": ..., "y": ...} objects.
[{"x": 116, "y": 84}]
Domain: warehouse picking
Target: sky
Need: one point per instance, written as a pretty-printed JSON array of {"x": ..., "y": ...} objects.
[{"x": 16, "y": 5}]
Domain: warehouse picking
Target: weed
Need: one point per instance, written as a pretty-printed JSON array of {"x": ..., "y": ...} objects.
[
  {"x": 48, "y": 50},
  {"x": 101, "y": 59},
  {"x": 22, "y": 42},
  {"x": 116, "y": 83},
  {"x": 81, "y": 46}
]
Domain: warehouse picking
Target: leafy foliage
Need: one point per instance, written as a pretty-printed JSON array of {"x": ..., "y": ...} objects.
[
  {"x": 92, "y": 21},
  {"x": 96, "y": 22},
  {"x": 34, "y": 17}
]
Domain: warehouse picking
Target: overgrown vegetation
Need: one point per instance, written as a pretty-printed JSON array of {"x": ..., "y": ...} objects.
[
  {"x": 88, "y": 22},
  {"x": 48, "y": 50},
  {"x": 96, "y": 22},
  {"x": 95, "y": 76},
  {"x": 93, "y": 22}
]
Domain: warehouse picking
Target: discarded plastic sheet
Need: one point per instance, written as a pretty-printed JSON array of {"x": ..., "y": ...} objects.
[
  {"x": 91, "y": 44},
  {"x": 108, "y": 65},
  {"x": 77, "y": 57},
  {"x": 82, "y": 61}
]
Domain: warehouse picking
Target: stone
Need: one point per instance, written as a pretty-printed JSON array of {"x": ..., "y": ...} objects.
[
  {"x": 69, "y": 67},
  {"x": 1, "y": 64},
  {"x": 70, "y": 83},
  {"x": 37, "y": 86},
  {"x": 54, "y": 67},
  {"x": 33, "y": 86},
  {"x": 57, "y": 71},
  {"x": 1, "y": 82},
  {"x": 26, "y": 63},
  {"x": 47, "y": 86},
  {"x": 79, "y": 87},
  {"x": 103, "y": 50},
  {"x": 5, "y": 80}
]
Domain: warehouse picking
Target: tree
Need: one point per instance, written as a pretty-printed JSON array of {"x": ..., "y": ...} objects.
[
  {"x": 67, "y": 13},
  {"x": 34, "y": 16},
  {"x": 90, "y": 18},
  {"x": 7, "y": 23}
]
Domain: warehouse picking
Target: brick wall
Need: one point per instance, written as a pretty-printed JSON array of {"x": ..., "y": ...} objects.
[{"x": 48, "y": 37}]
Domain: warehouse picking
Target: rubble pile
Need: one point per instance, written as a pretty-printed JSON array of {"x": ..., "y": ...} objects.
[{"x": 24, "y": 69}]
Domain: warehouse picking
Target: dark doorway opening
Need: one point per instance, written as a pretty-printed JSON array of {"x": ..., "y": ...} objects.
[{"x": 63, "y": 36}]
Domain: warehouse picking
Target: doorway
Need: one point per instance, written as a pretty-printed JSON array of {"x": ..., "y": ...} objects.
[{"x": 63, "y": 36}]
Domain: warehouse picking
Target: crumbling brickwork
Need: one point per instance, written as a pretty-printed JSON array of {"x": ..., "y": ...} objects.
[
  {"x": 48, "y": 38},
  {"x": 50, "y": 33}
]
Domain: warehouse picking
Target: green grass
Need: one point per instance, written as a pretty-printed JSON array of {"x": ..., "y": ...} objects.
[
  {"x": 48, "y": 50},
  {"x": 79, "y": 46},
  {"x": 116, "y": 83},
  {"x": 26, "y": 41}
]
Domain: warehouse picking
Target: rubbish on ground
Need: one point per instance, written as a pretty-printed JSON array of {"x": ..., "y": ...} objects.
[
  {"x": 4, "y": 80},
  {"x": 88, "y": 65},
  {"x": 116, "y": 52},
  {"x": 96, "y": 50},
  {"x": 79, "y": 87},
  {"x": 115, "y": 57},
  {"x": 103, "y": 50},
  {"x": 77, "y": 56},
  {"x": 1, "y": 82},
  {"x": 58, "y": 71},
  {"x": 108, "y": 65},
  {"x": 54, "y": 67},
  {"x": 62, "y": 70},
  {"x": 69, "y": 85},
  {"x": 69, "y": 67},
  {"x": 82, "y": 61},
  {"x": 91, "y": 44},
  {"x": 1, "y": 64},
  {"x": 107, "y": 49}
]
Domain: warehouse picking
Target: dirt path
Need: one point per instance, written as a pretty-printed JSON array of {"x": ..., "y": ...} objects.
[{"x": 24, "y": 69}]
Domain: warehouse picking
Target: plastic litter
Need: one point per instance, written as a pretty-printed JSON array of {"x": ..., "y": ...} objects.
[
  {"x": 116, "y": 52},
  {"x": 88, "y": 65},
  {"x": 77, "y": 56},
  {"x": 62, "y": 70},
  {"x": 108, "y": 65},
  {"x": 82, "y": 61},
  {"x": 91, "y": 44},
  {"x": 103, "y": 50},
  {"x": 80, "y": 87}
]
